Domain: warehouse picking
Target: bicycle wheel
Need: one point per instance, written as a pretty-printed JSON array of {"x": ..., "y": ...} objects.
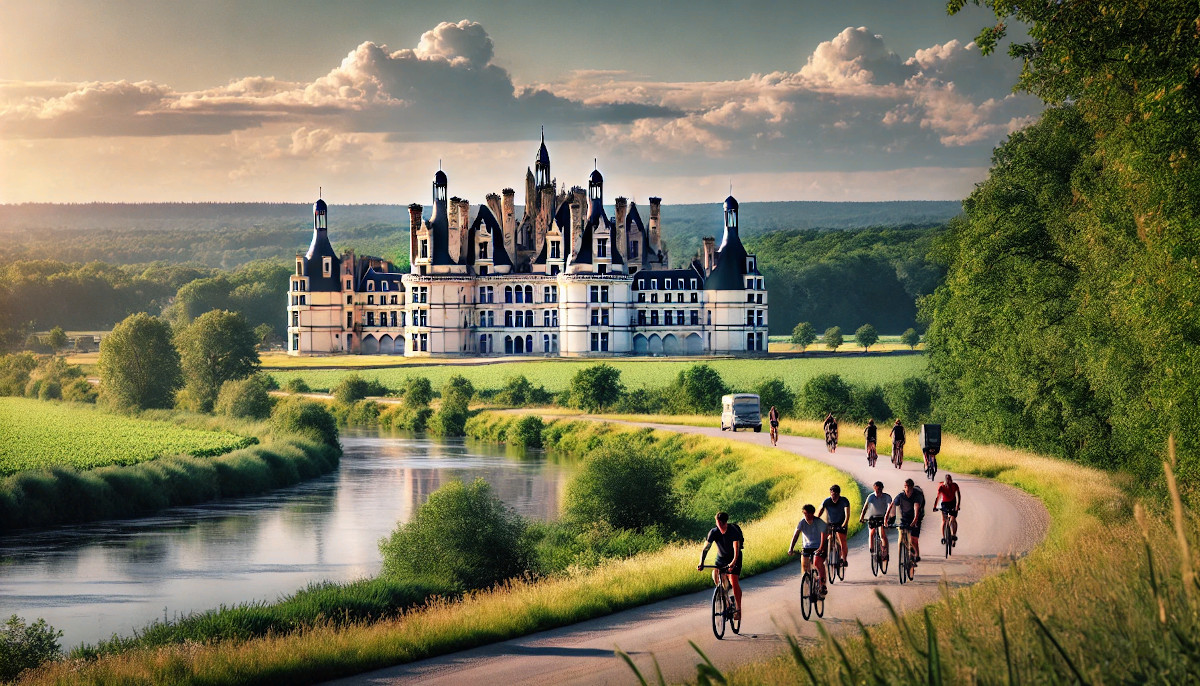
[
  {"x": 841, "y": 568},
  {"x": 731, "y": 608},
  {"x": 718, "y": 608},
  {"x": 883, "y": 563},
  {"x": 903, "y": 546},
  {"x": 831, "y": 562},
  {"x": 946, "y": 535},
  {"x": 819, "y": 602},
  {"x": 875, "y": 556},
  {"x": 807, "y": 590}
]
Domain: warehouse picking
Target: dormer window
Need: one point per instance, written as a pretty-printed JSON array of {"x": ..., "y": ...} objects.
[
  {"x": 654, "y": 284},
  {"x": 601, "y": 247},
  {"x": 299, "y": 268},
  {"x": 667, "y": 285},
  {"x": 370, "y": 285},
  {"x": 424, "y": 247},
  {"x": 385, "y": 285},
  {"x": 749, "y": 264},
  {"x": 483, "y": 250},
  {"x": 554, "y": 250},
  {"x": 327, "y": 267}
]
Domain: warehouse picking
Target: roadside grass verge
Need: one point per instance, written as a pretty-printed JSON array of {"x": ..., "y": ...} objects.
[
  {"x": 331, "y": 649},
  {"x": 1111, "y": 596},
  {"x": 63, "y": 494}
]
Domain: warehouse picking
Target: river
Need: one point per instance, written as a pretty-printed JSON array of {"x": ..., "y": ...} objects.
[{"x": 94, "y": 580}]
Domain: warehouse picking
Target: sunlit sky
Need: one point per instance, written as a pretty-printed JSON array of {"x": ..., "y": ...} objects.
[{"x": 241, "y": 101}]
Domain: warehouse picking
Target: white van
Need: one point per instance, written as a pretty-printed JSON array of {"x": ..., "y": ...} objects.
[{"x": 741, "y": 410}]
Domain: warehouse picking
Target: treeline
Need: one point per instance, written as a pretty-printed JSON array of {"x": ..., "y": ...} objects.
[
  {"x": 845, "y": 278},
  {"x": 1068, "y": 322}
]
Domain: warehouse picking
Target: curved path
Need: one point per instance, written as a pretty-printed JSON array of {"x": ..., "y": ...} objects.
[{"x": 998, "y": 522}]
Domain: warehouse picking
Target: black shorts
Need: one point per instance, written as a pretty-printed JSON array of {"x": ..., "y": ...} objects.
[
  {"x": 811, "y": 552},
  {"x": 837, "y": 528},
  {"x": 874, "y": 522},
  {"x": 914, "y": 528},
  {"x": 774, "y": 424},
  {"x": 735, "y": 571},
  {"x": 947, "y": 512}
]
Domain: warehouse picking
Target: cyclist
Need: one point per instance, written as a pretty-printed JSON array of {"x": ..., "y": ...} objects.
[
  {"x": 816, "y": 535},
  {"x": 831, "y": 433},
  {"x": 897, "y": 434},
  {"x": 773, "y": 416},
  {"x": 871, "y": 433},
  {"x": 911, "y": 504},
  {"x": 874, "y": 513},
  {"x": 839, "y": 512},
  {"x": 950, "y": 497},
  {"x": 728, "y": 538}
]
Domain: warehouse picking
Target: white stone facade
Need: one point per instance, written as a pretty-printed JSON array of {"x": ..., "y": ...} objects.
[{"x": 564, "y": 280}]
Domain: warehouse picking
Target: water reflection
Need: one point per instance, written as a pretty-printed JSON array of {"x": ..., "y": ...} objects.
[{"x": 113, "y": 577}]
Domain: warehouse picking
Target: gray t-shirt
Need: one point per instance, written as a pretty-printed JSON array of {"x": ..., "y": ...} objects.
[
  {"x": 907, "y": 505},
  {"x": 877, "y": 505},
  {"x": 810, "y": 534},
  {"x": 838, "y": 512}
]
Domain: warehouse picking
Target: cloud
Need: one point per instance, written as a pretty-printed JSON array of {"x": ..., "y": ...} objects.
[{"x": 855, "y": 57}]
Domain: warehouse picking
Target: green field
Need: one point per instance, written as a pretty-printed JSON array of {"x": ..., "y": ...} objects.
[
  {"x": 36, "y": 434},
  {"x": 554, "y": 374}
]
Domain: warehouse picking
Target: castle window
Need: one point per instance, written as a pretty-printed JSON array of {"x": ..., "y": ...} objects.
[
  {"x": 349, "y": 299},
  {"x": 508, "y": 318},
  {"x": 554, "y": 250},
  {"x": 667, "y": 285},
  {"x": 349, "y": 320},
  {"x": 327, "y": 267},
  {"x": 760, "y": 317},
  {"x": 295, "y": 318},
  {"x": 370, "y": 300},
  {"x": 668, "y": 317},
  {"x": 394, "y": 318},
  {"x": 653, "y": 317},
  {"x": 749, "y": 317},
  {"x": 749, "y": 297},
  {"x": 604, "y": 316},
  {"x": 303, "y": 300},
  {"x": 370, "y": 319},
  {"x": 758, "y": 298},
  {"x": 654, "y": 297},
  {"x": 641, "y": 318},
  {"x": 602, "y": 269},
  {"x": 553, "y": 269},
  {"x": 370, "y": 285},
  {"x": 545, "y": 317},
  {"x": 695, "y": 317},
  {"x": 520, "y": 318},
  {"x": 394, "y": 300},
  {"x": 760, "y": 284},
  {"x": 295, "y": 341},
  {"x": 692, "y": 284},
  {"x": 633, "y": 269},
  {"x": 749, "y": 341},
  {"x": 595, "y": 317},
  {"x": 299, "y": 268},
  {"x": 654, "y": 284},
  {"x": 483, "y": 270},
  {"x": 545, "y": 342},
  {"x": 749, "y": 264},
  {"x": 508, "y": 294},
  {"x": 601, "y": 247},
  {"x": 348, "y": 286},
  {"x": 710, "y": 323},
  {"x": 528, "y": 294},
  {"x": 695, "y": 297},
  {"x": 422, "y": 270},
  {"x": 749, "y": 284},
  {"x": 385, "y": 285},
  {"x": 604, "y": 294},
  {"x": 483, "y": 248},
  {"x": 641, "y": 297},
  {"x": 424, "y": 248},
  {"x": 633, "y": 248}
]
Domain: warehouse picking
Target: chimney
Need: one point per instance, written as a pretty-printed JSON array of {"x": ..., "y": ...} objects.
[
  {"x": 544, "y": 217},
  {"x": 620, "y": 241},
  {"x": 414, "y": 225},
  {"x": 709, "y": 254},
  {"x": 655, "y": 235},
  {"x": 576, "y": 220}
]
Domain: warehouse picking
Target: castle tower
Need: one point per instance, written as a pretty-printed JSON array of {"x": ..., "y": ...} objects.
[{"x": 541, "y": 164}]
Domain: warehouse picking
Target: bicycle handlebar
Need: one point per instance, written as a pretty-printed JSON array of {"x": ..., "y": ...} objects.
[{"x": 723, "y": 569}]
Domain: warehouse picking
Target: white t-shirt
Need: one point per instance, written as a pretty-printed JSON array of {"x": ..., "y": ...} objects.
[
  {"x": 877, "y": 505},
  {"x": 810, "y": 534}
]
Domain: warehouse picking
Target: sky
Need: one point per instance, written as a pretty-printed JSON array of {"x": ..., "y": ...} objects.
[{"x": 269, "y": 100}]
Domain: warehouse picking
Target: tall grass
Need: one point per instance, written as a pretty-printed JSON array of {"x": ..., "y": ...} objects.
[{"x": 329, "y": 650}]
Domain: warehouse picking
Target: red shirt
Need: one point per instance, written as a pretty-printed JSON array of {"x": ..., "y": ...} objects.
[{"x": 948, "y": 495}]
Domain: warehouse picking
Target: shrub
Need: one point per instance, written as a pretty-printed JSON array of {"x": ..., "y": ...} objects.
[
  {"x": 247, "y": 398},
  {"x": 596, "y": 387},
  {"x": 306, "y": 418},
  {"x": 825, "y": 393},
  {"x": 25, "y": 647},
  {"x": 363, "y": 413},
  {"x": 405, "y": 418},
  {"x": 526, "y": 432},
  {"x": 139, "y": 366},
  {"x": 351, "y": 389},
  {"x": 417, "y": 391},
  {"x": 644, "y": 401},
  {"x": 451, "y": 417},
  {"x": 625, "y": 487},
  {"x": 49, "y": 390},
  {"x": 910, "y": 400},
  {"x": 701, "y": 388},
  {"x": 296, "y": 385},
  {"x": 218, "y": 346},
  {"x": 775, "y": 392},
  {"x": 867, "y": 402},
  {"x": 463, "y": 535},
  {"x": 80, "y": 391},
  {"x": 458, "y": 386},
  {"x": 519, "y": 391},
  {"x": 14, "y": 372}
]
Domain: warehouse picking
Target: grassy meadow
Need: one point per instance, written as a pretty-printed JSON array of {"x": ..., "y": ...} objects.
[
  {"x": 330, "y": 649},
  {"x": 34, "y": 434},
  {"x": 555, "y": 374}
]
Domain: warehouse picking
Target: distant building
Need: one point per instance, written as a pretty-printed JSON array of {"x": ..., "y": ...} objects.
[{"x": 563, "y": 279}]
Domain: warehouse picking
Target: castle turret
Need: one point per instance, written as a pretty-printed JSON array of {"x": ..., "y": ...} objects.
[
  {"x": 439, "y": 223},
  {"x": 321, "y": 264},
  {"x": 541, "y": 164}
]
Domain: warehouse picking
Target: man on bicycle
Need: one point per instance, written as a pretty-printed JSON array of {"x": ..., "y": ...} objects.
[
  {"x": 949, "y": 495},
  {"x": 874, "y": 513},
  {"x": 839, "y": 513},
  {"x": 871, "y": 434},
  {"x": 773, "y": 417},
  {"x": 911, "y": 504},
  {"x": 816, "y": 535},
  {"x": 728, "y": 538},
  {"x": 897, "y": 434},
  {"x": 831, "y": 432}
]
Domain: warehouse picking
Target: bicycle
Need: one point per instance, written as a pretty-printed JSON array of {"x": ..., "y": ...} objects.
[
  {"x": 836, "y": 564},
  {"x": 723, "y": 604},
  {"x": 879, "y": 563},
  {"x": 810, "y": 594},
  {"x": 872, "y": 456},
  {"x": 931, "y": 466},
  {"x": 947, "y": 536},
  {"x": 907, "y": 567},
  {"x": 774, "y": 434},
  {"x": 898, "y": 455},
  {"x": 831, "y": 439}
]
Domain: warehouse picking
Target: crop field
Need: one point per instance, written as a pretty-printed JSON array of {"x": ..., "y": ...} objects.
[
  {"x": 36, "y": 434},
  {"x": 554, "y": 374}
]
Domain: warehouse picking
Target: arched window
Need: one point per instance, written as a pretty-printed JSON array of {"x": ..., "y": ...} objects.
[
  {"x": 520, "y": 318},
  {"x": 508, "y": 345},
  {"x": 508, "y": 294},
  {"x": 508, "y": 318},
  {"x": 545, "y": 317},
  {"x": 554, "y": 342},
  {"x": 529, "y": 294},
  {"x": 529, "y": 344},
  {"x": 483, "y": 343},
  {"x": 545, "y": 342},
  {"x": 529, "y": 321},
  {"x": 519, "y": 346}
]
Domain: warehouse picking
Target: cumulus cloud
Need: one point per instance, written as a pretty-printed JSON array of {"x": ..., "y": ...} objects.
[{"x": 855, "y": 57}]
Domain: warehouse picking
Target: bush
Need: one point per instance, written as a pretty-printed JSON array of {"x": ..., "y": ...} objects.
[
  {"x": 701, "y": 388},
  {"x": 351, "y": 389},
  {"x": 867, "y": 402},
  {"x": 626, "y": 487},
  {"x": 775, "y": 392},
  {"x": 804, "y": 335},
  {"x": 644, "y": 401},
  {"x": 460, "y": 387},
  {"x": 825, "y": 393},
  {"x": 14, "y": 373},
  {"x": 247, "y": 398},
  {"x": 306, "y": 418},
  {"x": 405, "y": 418},
  {"x": 362, "y": 413},
  {"x": 526, "y": 432},
  {"x": 296, "y": 385},
  {"x": 451, "y": 417},
  {"x": 596, "y": 387},
  {"x": 417, "y": 391},
  {"x": 139, "y": 366},
  {"x": 518, "y": 391},
  {"x": 25, "y": 647},
  {"x": 80, "y": 391},
  {"x": 910, "y": 400},
  {"x": 463, "y": 535}
]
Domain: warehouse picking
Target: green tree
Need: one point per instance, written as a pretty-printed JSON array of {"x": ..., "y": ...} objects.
[
  {"x": 911, "y": 338},
  {"x": 451, "y": 417},
  {"x": 351, "y": 389},
  {"x": 218, "y": 346},
  {"x": 626, "y": 487},
  {"x": 463, "y": 535},
  {"x": 26, "y": 646},
  {"x": 804, "y": 335},
  {"x": 56, "y": 339},
  {"x": 910, "y": 400},
  {"x": 247, "y": 398},
  {"x": 139, "y": 366},
  {"x": 833, "y": 338},
  {"x": 596, "y": 387},
  {"x": 304, "y": 418},
  {"x": 774, "y": 392},
  {"x": 866, "y": 336},
  {"x": 826, "y": 393},
  {"x": 701, "y": 388},
  {"x": 418, "y": 392},
  {"x": 265, "y": 334}
]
